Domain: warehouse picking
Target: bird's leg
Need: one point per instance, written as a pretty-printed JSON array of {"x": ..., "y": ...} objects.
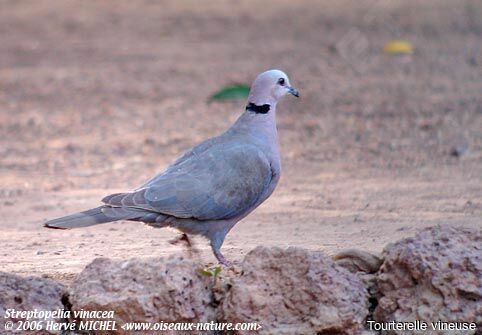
[
  {"x": 216, "y": 246},
  {"x": 183, "y": 238},
  {"x": 221, "y": 259}
]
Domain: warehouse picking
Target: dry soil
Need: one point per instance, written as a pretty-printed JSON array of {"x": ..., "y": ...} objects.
[{"x": 96, "y": 97}]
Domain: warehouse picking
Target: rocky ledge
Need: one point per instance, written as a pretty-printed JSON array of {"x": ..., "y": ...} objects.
[{"x": 435, "y": 275}]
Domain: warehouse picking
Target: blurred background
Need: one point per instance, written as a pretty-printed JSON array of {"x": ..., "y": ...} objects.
[{"x": 97, "y": 96}]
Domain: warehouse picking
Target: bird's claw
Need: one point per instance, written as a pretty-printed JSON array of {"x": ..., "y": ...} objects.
[
  {"x": 190, "y": 247},
  {"x": 221, "y": 259},
  {"x": 183, "y": 238}
]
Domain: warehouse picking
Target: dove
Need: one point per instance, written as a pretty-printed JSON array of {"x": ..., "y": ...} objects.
[{"x": 212, "y": 186}]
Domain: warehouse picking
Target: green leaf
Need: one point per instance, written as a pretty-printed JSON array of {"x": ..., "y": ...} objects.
[
  {"x": 233, "y": 92},
  {"x": 204, "y": 272},
  {"x": 217, "y": 270}
]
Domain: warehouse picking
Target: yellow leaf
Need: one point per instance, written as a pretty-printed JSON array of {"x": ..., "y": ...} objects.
[
  {"x": 398, "y": 47},
  {"x": 204, "y": 272}
]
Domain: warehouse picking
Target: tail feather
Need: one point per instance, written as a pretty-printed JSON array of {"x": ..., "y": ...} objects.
[{"x": 89, "y": 218}]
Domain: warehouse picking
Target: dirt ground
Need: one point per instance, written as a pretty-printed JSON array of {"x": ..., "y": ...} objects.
[{"x": 96, "y": 97}]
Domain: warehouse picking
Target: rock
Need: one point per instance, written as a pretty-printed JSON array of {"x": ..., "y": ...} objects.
[
  {"x": 355, "y": 260},
  {"x": 364, "y": 265},
  {"x": 145, "y": 290},
  {"x": 293, "y": 291},
  {"x": 29, "y": 294},
  {"x": 436, "y": 275}
]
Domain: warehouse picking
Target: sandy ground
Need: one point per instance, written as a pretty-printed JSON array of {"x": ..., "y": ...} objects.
[{"x": 95, "y": 97}]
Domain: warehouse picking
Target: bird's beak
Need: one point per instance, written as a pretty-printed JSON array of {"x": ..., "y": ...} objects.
[{"x": 294, "y": 91}]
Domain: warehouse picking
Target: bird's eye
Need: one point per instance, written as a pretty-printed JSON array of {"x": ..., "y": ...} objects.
[{"x": 281, "y": 81}]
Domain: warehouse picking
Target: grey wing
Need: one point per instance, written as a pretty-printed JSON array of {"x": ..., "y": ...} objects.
[
  {"x": 187, "y": 156},
  {"x": 219, "y": 183}
]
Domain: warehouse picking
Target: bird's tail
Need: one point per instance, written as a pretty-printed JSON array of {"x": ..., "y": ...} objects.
[{"x": 102, "y": 214}]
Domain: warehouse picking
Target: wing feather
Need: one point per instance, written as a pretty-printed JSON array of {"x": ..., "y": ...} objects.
[{"x": 221, "y": 182}]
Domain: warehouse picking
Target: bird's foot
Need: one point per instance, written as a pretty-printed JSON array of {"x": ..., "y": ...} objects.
[
  {"x": 183, "y": 238},
  {"x": 221, "y": 259}
]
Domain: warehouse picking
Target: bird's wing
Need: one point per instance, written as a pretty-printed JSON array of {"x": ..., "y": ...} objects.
[{"x": 221, "y": 182}]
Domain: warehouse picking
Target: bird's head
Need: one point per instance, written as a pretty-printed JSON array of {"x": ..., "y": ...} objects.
[{"x": 269, "y": 87}]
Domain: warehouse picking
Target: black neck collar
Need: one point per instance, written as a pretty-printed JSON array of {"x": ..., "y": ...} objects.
[{"x": 263, "y": 109}]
